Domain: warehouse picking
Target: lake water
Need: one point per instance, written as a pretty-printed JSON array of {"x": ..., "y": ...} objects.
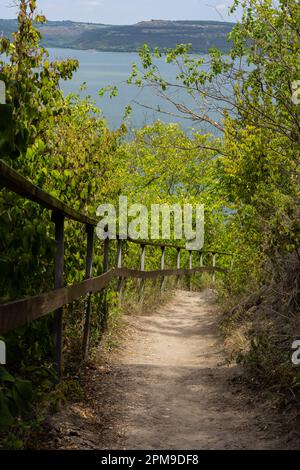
[{"x": 100, "y": 69}]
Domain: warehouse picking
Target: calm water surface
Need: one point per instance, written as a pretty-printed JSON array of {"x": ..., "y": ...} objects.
[{"x": 100, "y": 69}]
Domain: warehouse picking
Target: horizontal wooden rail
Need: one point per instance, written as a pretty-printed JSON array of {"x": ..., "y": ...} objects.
[
  {"x": 20, "y": 312},
  {"x": 12, "y": 180}
]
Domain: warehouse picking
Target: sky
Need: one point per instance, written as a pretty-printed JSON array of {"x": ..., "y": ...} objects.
[{"x": 127, "y": 11}]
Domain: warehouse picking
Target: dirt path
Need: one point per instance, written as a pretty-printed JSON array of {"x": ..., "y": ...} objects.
[{"x": 169, "y": 388}]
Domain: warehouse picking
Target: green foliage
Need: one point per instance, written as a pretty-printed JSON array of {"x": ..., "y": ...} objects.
[
  {"x": 257, "y": 159},
  {"x": 63, "y": 145},
  {"x": 15, "y": 399},
  {"x": 32, "y": 82}
]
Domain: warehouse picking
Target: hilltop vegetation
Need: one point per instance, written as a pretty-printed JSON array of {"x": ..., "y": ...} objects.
[{"x": 164, "y": 34}]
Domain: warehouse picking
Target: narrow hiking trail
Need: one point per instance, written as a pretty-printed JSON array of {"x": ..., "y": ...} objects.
[{"x": 168, "y": 387}]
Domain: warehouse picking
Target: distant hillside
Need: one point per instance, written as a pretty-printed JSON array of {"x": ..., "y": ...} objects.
[{"x": 157, "y": 33}]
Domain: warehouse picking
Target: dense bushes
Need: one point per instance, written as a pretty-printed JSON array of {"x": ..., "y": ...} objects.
[{"x": 63, "y": 145}]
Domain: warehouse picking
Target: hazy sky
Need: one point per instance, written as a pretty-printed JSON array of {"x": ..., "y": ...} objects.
[{"x": 126, "y": 11}]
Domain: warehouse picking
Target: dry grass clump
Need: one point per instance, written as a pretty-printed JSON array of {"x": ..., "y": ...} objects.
[{"x": 259, "y": 331}]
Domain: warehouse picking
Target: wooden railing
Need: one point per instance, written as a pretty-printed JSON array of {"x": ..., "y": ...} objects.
[{"x": 18, "y": 313}]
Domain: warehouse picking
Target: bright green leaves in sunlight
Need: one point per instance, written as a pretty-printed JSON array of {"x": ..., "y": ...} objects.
[{"x": 32, "y": 82}]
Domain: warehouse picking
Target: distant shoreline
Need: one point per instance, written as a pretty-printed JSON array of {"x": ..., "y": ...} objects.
[
  {"x": 203, "y": 35},
  {"x": 90, "y": 50},
  {"x": 109, "y": 51}
]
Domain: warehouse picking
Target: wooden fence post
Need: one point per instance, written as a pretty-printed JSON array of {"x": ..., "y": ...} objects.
[
  {"x": 58, "y": 219},
  {"x": 214, "y": 265},
  {"x": 142, "y": 283},
  {"x": 106, "y": 255},
  {"x": 162, "y": 268},
  {"x": 119, "y": 253},
  {"x": 104, "y": 294},
  {"x": 2, "y": 92},
  {"x": 88, "y": 275},
  {"x": 190, "y": 260},
  {"x": 190, "y": 267},
  {"x": 119, "y": 265},
  {"x": 201, "y": 259},
  {"x": 178, "y": 264}
]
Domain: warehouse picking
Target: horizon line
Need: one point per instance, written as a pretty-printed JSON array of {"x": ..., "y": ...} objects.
[{"x": 126, "y": 24}]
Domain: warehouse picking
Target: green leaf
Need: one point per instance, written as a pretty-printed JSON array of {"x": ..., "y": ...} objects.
[
  {"x": 6, "y": 418},
  {"x": 24, "y": 388},
  {"x": 5, "y": 376}
]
